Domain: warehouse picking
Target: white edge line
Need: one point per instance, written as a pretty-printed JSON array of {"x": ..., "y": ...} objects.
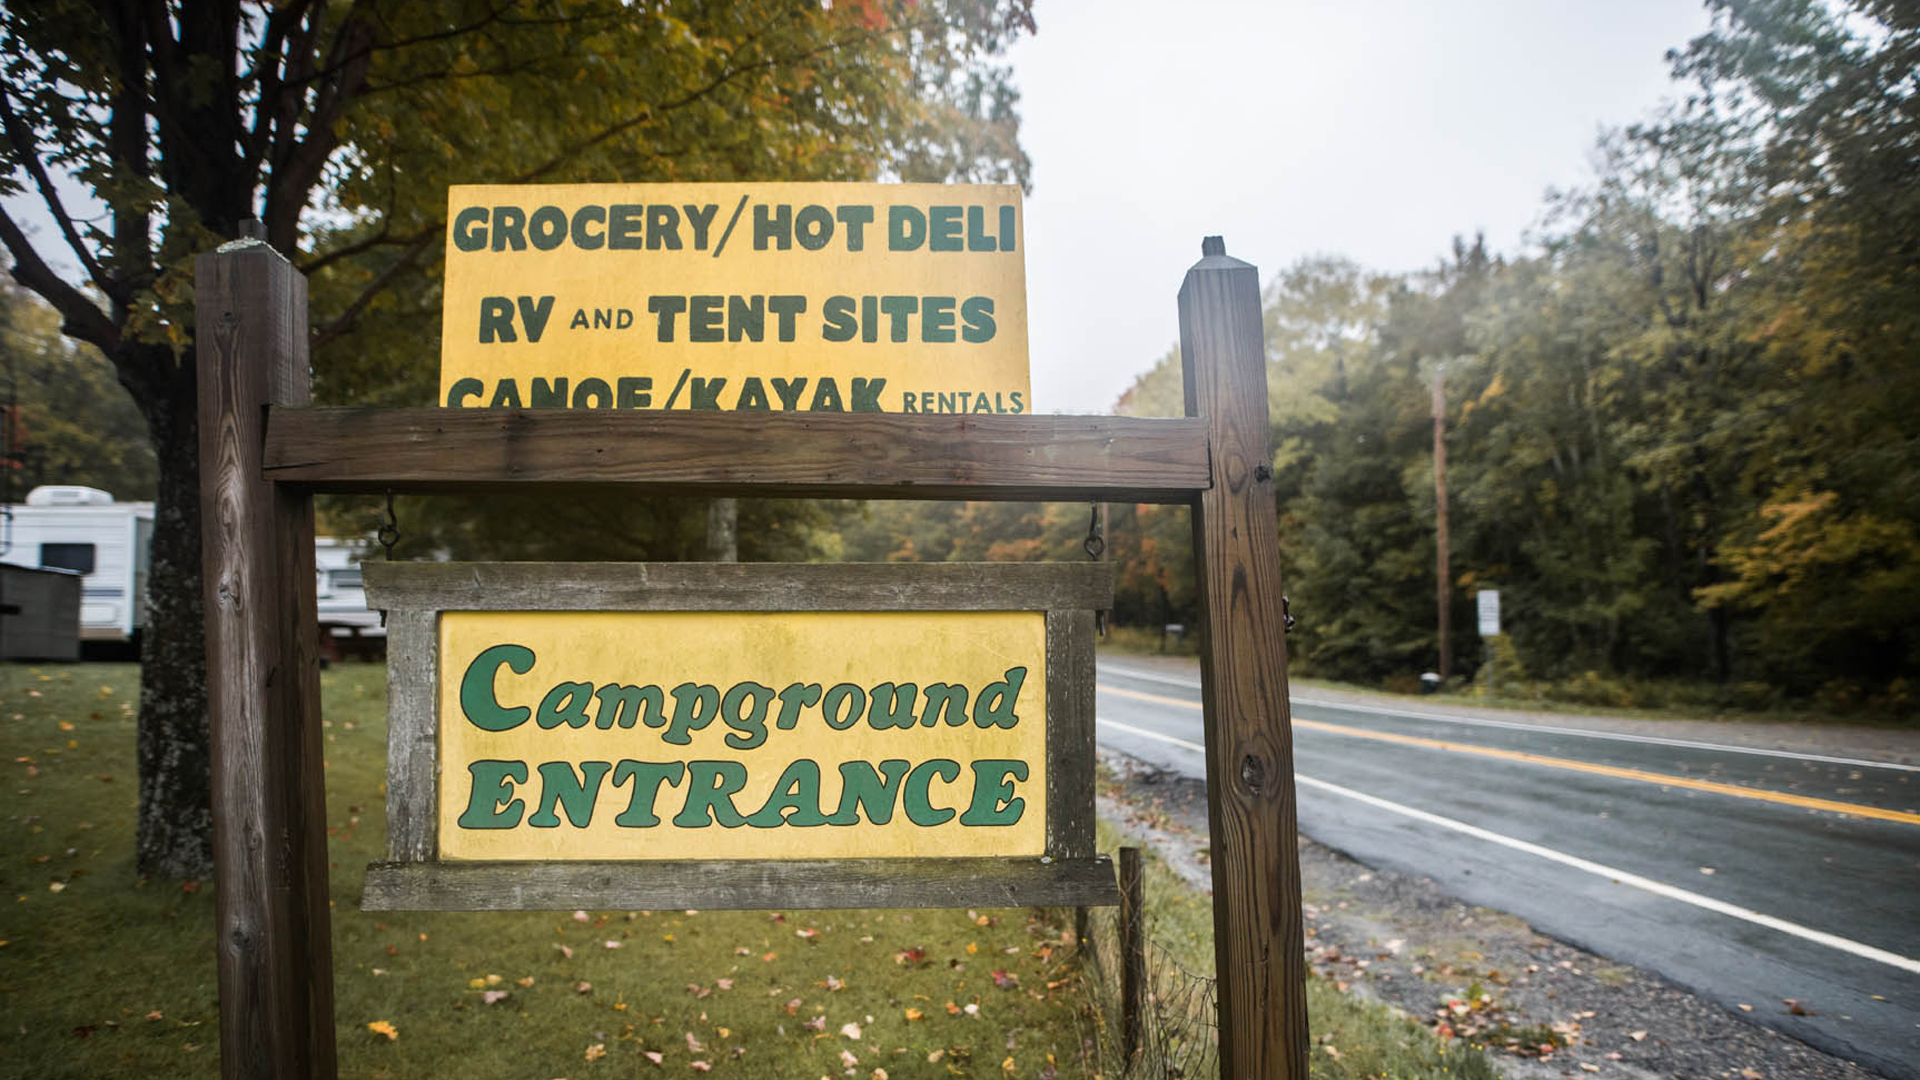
[
  {"x": 1618, "y": 877},
  {"x": 1582, "y": 732}
]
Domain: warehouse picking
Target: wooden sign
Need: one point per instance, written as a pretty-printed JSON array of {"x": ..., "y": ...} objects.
[
  {"x": 767, "y": 297},
  {"x": 702, "y": 735}
]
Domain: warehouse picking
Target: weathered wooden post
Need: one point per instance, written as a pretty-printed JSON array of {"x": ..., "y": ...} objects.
[
  {"x": 275, "y": 956},
  {"x": 1259, "y": 960},
  {"x": 1133, "y": 952}
]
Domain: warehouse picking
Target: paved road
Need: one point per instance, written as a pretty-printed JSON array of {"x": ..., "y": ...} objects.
[{"x": 1753, "y": 878}]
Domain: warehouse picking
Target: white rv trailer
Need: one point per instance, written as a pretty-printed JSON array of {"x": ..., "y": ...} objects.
[{"x": 82, "y": 529}]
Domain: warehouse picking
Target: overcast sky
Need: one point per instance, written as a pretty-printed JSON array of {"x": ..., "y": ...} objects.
[{"x": 1375, "y": 129}]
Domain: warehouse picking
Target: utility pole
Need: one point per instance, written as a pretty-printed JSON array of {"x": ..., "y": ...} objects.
[{"x": 1444, "y": 587}]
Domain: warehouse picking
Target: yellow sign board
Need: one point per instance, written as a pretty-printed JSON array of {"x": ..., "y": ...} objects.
[
  {"x": 753, "y": 297},
  {"x": 760, "y": 735}
]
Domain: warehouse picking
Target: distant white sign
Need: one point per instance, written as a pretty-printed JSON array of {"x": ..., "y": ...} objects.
[{"x": 1489, "y": 603}]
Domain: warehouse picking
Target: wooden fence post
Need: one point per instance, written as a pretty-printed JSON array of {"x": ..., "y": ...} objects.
[
  {"x": 1133, "y": 953},
  {"x": 1259, "y": 959},
  {"x": 273, "y": 941}
]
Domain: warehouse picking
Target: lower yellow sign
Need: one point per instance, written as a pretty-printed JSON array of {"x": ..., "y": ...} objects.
[{"x": 689, "y": 735}]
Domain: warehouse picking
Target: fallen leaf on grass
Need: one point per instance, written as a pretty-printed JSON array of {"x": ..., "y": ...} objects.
[
  {"x": 936, "y": 1056},
  {"x": 526, "y": 983},
  {"x": 612, "y": 944},
  {"x": 654, "y": 1056},
  {"x": 847, "y": 1059},
  {"x": 724, "y": 984},
  {"x": 700, "y": 1066},
  {"x": 818, "y": 1023},
  {"x": 565, "y": 951},
  {"x": 851, "y": 1030},
  {"x": 1332, "y": 1051},
  {"x": 694, "y": 1045},
  {"x": 382, "y": 1027},
  {"x": 155, "y": 1015},
  {"x": 583, "y": 988},
  {"x": 809, "y": 933},
  {"x": 492, "y": 996},
  {"x": 596, "y": 1051},
  {"x": 914, "y": 1014}
]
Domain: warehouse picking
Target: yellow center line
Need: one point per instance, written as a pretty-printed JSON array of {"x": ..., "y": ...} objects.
[{"x": 1615, "y": 771}]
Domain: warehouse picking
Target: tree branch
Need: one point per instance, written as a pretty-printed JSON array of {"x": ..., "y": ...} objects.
[
  {"x": 339, "y": 326},
  {"x": 82, "y": 318},
  {"x": 26, "y": 146}
]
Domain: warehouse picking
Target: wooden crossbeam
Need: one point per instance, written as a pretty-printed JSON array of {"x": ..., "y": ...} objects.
[{"x": 779, "y": 455}]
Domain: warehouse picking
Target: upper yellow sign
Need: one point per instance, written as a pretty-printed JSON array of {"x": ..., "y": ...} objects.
[{"x": 821, "y": 297}]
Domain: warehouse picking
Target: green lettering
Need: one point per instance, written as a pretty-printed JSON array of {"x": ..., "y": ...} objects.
[
  {"x": 798, "y": 790},
  {"x": 750, "y": 724},
  {"x": 793, "y": 699},
  {"x": 830, "y": 705},
  {"x": 861, "y": 788},
  {"x": 994, "y": 802},
  {"x": 647, "y": 777},
  {"x": 711, "y": 786},
  {"x": 892, "y": 706},
  {"x": 624, "y": 705},
  {"x": 477, "y": 702},
  {"x": 565, "y": 704},
  {"x": 947, "y": 696},
  {"x": 994, "y": 706},
  {"x": 577, "y": 795},
  {"x": 491, "y": 793},
  {"x": 693, "y": 708},
  {"x": 919, "y": 810}
]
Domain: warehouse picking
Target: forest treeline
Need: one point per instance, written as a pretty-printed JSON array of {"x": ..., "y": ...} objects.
[
  {"x": 1683, "y": 422},
  {"x": 1683, "y": 427}
]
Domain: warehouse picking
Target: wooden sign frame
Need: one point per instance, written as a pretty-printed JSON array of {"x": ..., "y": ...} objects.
[
  {"x": 414, "y": 595},
  {"x": 265, "y": 452}
]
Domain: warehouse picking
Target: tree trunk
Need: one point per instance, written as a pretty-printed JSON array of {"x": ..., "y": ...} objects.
[{"x": 175, "y": 832}]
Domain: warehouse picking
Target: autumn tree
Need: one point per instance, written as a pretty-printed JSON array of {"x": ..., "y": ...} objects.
[{"x": 339, "y": 126}]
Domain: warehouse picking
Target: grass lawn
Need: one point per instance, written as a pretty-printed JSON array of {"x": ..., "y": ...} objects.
[{"x": 103, "y": 974}]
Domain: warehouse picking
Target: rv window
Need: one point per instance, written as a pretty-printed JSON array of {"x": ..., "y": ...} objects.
[
  {"x": 67, "y": 557},
  {"x": 344, "y": 579}
]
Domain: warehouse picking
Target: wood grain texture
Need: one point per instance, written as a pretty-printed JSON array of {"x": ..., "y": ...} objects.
[
  {"x": 1250, "y": 799},
  {"x": 1133, "y": 953},
  {"x": 738, "y": 586},
  {"x": 413, "y": 733},
  {"x": 719, "y": 884},
  {"x": 274, "y": 948},
  {"x": 1070, "y": 758},
  {"x": 783, "y": 455}
]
